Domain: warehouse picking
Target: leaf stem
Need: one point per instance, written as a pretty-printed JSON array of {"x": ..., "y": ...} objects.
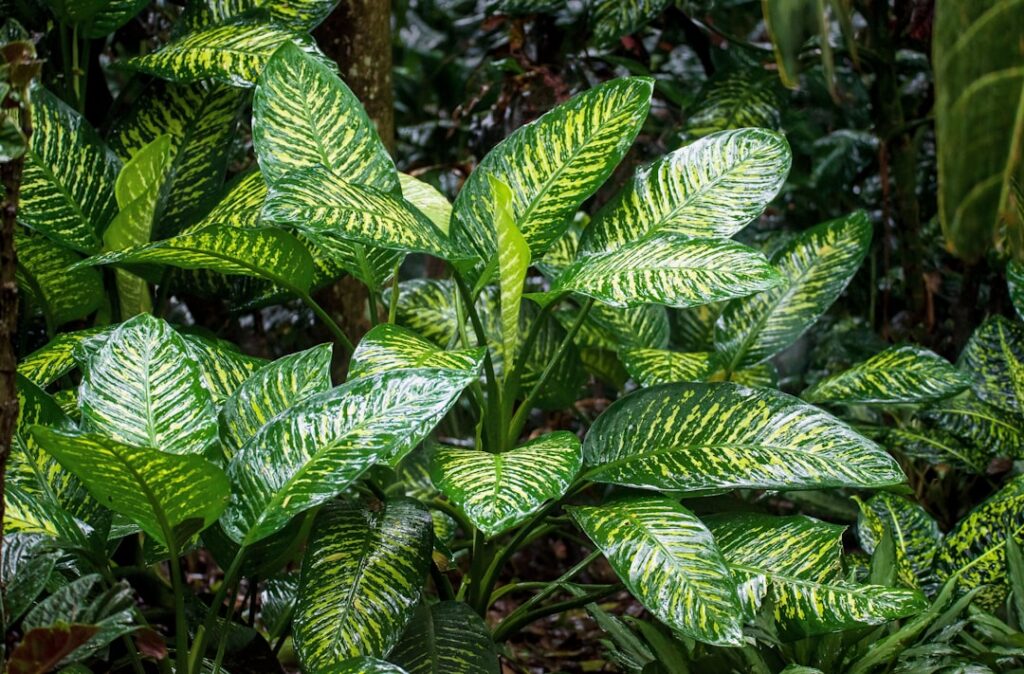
[
  {"x": 393, "y": 300},
  {"x": 510, "y": 626},
  {"x": 513, "y": 378},
  {"x": 199, "y": 645},
  {"x": 371, "y": 298},
  {"x": 492, "y": 418},
  {"x": 325, "y": 317}
]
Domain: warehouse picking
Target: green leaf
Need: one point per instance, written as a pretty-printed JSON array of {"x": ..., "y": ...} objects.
[
  {"x": 1015, "y": 282},
  {"x": 711, "y": 188},
  {"x": 901, "y": 374},
  {"x": 553, "y": 165},
  {"x": 362, "y": 577},
  {"x": 232, "y": 53},
  {"x": 328, "y": 440},
  {"x": 271, "y": 390},
  {"x": 200, "y": 119},
  {"x": 390, "y": 347},
  {"x": 305, "y": 116},
  {"x": 499, "y": 491},
  {"x": 994, "y": 360},
  {"x": 979, "y": 85},
  {"x": 691, "y": 437},
  {"x": 67, "y": 189},
  {"x": 975, "y": 549},
  {"x": 28, "y": 562},
  {"x": 141, "y": 387},
  {"x": 613, "y": 328},
  {"x": 367, "y": 665},
  {"x": 168, "y": 495},
  {"x": 650, "y": 367},
  {"x": 513, "y": 261},
  {"x": 670, "y": 269},
  {"x": 977, "y": 423},
  {"x": 45, "y": 277},
  {"x": 428, "y": 200},
  {"x": 936, "y": 446},
  {"x": 299, "y": 15},
  {"x": 613, "y": 19},
  {"x": 735, "y": 99},
  {"x": 794, "y": 564},
  {"x": 96, "y": 18},
  {"x": 915, "y": 533},
  {"x": 222, "y": 367},
  {"x": 817, "y": 265},
  {"x": 668, "y": 560},
  {"x": 446, "y": 638}
]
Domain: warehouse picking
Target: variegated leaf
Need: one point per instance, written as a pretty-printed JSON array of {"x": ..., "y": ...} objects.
[
  {"x": 901, "y": 374},
  {"x": 670, "y": 269},
  {"x": 499, "y": 491},
  {"x": 737, "y": 99},
  {"x": 995, "y": 431},
  {"x": 762, "y": 375},
  {"x": 613, "y": 19},
  {"x": 650, "y": 367},
  {"x": 171, "y": 497},
  {"x": 368, "y": 665},
  {"x": 794, "y": 562},
  {"x": 668, "y": 560},
  {"x": 692, "y": 437},
  {"x": 222, "y": 367},
  {"x": 97, "y": 18},
  {"x": 232, "y": 53},
  {"x": 299, "y": 15},
  {"x": 67, "y": 189},
  {"x": 552, "y": 165},
  {"x": 709, "y": 189},
  {"x": 362, "y": 577},
  {"x": 513, "y": 261},
  {"x": 305, "y": 116},
  {"x": 975, "y": 550},
  {"x": 1015, "y": 284},
  {"x": 693, "y": 329},
  {"x": 271, "y": 390},
  {"x": 446, "y": 638},
  {"x": 45, "y": 278},
  {"x": 200, "y": 119},
  {"x": 994, "y": 360},
  {"x": 612, "y": 328},
  {"x": 937, "y": 446},
  {"x": 324, "y": 443},
  {"x": 49, "y": 363},
  {"x": 817, "y": 265},
  {"x": 915, "y": 533},
  {"x": 390, "y": 347},
  {"x": 428, "y": 200}
]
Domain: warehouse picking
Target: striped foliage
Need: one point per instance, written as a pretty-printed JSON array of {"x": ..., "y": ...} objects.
[
  {"x": 271, "y": 390},
  {"x": 96, "y": 19},
  {"x": 499, "y": 491},
  {"x": 305, "y": 116},
  {"x": 367, "y": 665},
  {"x": 794, "y": 564},
  {"x": 613, "y": 19},
  {"x": 427, "y": 307},
  {"x": 222, "y": 367},
  {"x": 762, "y": 375},
  {"x": 994, "y": 361},
  {"x": 915, "y": 533},
  {"x": 976, "y": 547},
  {"x": 901, "y": 374},
  {"x": 693, "y": 329},
  {"x": 446, "y": 638},
  {"x": 428, "y": 200},
  {"x": 612, "y": 328},
  {"x": 171, "y": 497},
  {"x": 322, "y": 444},
  {"x": 390, "y": 347},
  {"x": 232, "y": 53},
  {"x": 670, "y": 269},
  {"x": 736, "y": 99},
  {"x": 52, "y": 361},
  {"x": 513, "y": 261},
  {"x": 650, "y": 367},
  {"x": 299, "y": 15},
  {"x": 668, "y": 560},
  {"x": 709, "y": 189},
  {"x": 142, "y": 388},
  {"x": 200, "y": 119},
  {"x": 552, "y": 165},
  {"x": 817, "y": 266},
  {"x": 362, "y": 576},
  {"x": 977, "y": 423},
  {"x": 691, "y": 437},
  {"x": 937, "y": 446},
  {"x": 67, "y": 189},
  {"x": 46, "y": 281},
  {"x": 1015, "y": 283},
  {"x": 561, "y": 253}
]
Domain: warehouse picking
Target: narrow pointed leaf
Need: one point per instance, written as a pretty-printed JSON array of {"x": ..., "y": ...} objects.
[
  {"x": 668, "y": 560},
  {"x": 915, "y": 533},
  {"x": 994, "y": 360},
  {"x": 650, "y": 367},
  {"x": 390, "y": 347},
  {"x": 46, "y": 279},
  {"x": 428, "y": 200},
  {"x": 670, "y": 269},
  {"x": 980, "y": 424},
  {"x": 901, "y": 374},
  {"x": 499, "y": 491},
  {"x": 446, "y": 638},
  {"x": 361, "y": 580},
  {"x": 817, "y": 264},
  {"x": 513, "y": 261},
  {"x": 709, "y": 189},
  {"x": 706, "y": 436}
]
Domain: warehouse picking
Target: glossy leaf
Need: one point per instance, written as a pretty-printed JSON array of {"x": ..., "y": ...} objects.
[
  {"x": 711, "y": 188},
  {"x": 817, "y": 264},
  {"x": 975, "y": 422},
  {"x": 499, "y": 491},
  {"x": 915, "y": 533},
  {"x": 994, "y": 360},
  {"x": 616, "y": 327},
  {"x": 513, "y": 261},
  {"x": 668, "y": 560},
  {"x": 222, "y": 367},
  {"x": 428, "y": 200},
  {"x": 613, "y": 19},
  {"x": 670, "y": 269},
  {"x": 28, "y": 561},
  {"x": 328, "y": 440},
  {"x": 736, "y": 99},
  {"x": 708, "y": 436},
  {"x": 46, "y": 280},
  {"x": 299, "y": 15},
  {"x": 552, "y": 165},
  {"x": 937, "y": 446},
  {"x": 98, "y": 17},
  {"x": 901, "y": 374},
  {"x": 367, "y": 665},
  {"x": 650, "y": 367},
  {"x": 390, "y": 347},
  {"x": 446, "y": 638}
]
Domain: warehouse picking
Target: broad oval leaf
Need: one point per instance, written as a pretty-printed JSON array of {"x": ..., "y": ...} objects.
[
  {"x": 428, "y": 200},
  {"x": 668, "y": 560},
  {"x": 47, "y": 281},
  {"x": 995, "y": 431},
  {"x": 169, "y": 496},
  {"x": 915, "y": 533},
  {"x": 321, "y": 445},
  {"x": 362, "y": 577},
  {"x": 614, "y": 328},
  {"x": 817, "y": 265},
  {"x": 692, "y": 437},
  {"x": 499, "y": 491},
  {"x": 708, "y": 189},
  {"x": 390, "y": 347},
  {"x": 740, "y": 98},
  {"x": 96, "y": 18},
  {"x": 670, "y": 269},
  {"x": 222, "y": 367},
  {"x": 994, "y": 361},
  {"x": 901, "y": 374},
  {"x": 553, "y": 164},
  {"x": 650, "y": 367},
  {"x": 446, "y": 638},
  {"x": 613, "y": 19},
  {"x": 142, "y": 387},
  {"x": 299, "y": 15}
]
